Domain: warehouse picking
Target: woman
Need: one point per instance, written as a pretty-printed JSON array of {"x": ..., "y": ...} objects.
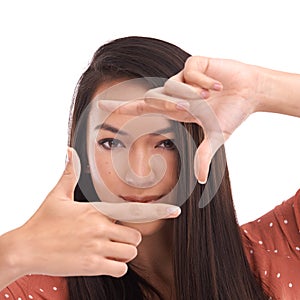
[{"x": 206, "y": 257}]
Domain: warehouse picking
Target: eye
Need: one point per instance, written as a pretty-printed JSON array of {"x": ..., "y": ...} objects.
[
  {"x": 167, "y": 144},
  {"x": 110, "y": 143}
]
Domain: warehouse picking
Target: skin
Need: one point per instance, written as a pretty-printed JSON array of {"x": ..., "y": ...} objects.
[
  {"x": 137, "y": 145},
  {"x": 232, "y": 89}
]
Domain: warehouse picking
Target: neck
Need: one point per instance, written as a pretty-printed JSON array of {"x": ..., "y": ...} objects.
[{"x": 154, "y": 261}]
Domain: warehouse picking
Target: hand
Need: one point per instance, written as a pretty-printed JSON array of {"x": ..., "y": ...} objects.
[
  {"x": 65, "y": 238},
  {"x": 214, "y": 93},
  {"x": 227, "y": 94}
]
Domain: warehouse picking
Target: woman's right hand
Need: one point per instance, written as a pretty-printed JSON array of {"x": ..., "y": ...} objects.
[{"x": 65, "y": 237}]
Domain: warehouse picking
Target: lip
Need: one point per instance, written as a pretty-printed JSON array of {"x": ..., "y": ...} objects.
[{"x": 140, "y": 199}]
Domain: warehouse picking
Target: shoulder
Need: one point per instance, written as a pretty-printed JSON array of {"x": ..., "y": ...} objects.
[
  {"x": 272, "y": 246},
  {"x": 36, "y": 287},
  {"x": 278, "y": 230}
]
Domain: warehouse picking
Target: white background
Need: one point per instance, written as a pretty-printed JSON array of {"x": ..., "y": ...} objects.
[{"x": 46, "y": 45}]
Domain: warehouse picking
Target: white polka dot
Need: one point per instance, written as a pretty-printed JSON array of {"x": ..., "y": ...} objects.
[
  {"x": 258, "y": 220},
  {"x": 30, "y": 297},
  {"x": 19, "y": 298},
  {"x": 245, "y": 231},
  {"x": 298, "y": 248},
  {"x": 260, "y": 242},
  {"x": 290, "y": 285},
  {"x": 271, "y": 224},
  {"x": 6, "y": 296},
  {"x": 285, "y": 221},
  {"x": 251, "y": 251},
  {"x": 266, "y": 272},
  {"x": 42, "y": 290},
  {"x": 275, "y": 251},
  {"x": 54, "y": 288},
  {"x": 278, "y": 275}
]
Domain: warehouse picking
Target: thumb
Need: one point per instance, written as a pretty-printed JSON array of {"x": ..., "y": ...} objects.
[
  {"x": 202, "y": 161},
  {"x": 71, "y": 174},
  {"x": 204, "y": 155}
]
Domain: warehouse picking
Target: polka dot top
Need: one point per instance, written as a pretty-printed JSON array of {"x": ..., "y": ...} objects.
[
  {"x": 38, "y": 287},
  {"x": 272, "y": 246},
  {"x": 271, "y": 243}
]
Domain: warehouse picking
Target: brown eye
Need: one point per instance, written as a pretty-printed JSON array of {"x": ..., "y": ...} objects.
[
  {"x": 110, "y": 143},
  {"x": 167, "y": 144}
]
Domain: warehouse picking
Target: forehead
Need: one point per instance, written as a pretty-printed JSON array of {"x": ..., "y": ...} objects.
[
  {"x": 125, "y": 90},
  {"x": 122, "y": 89}
]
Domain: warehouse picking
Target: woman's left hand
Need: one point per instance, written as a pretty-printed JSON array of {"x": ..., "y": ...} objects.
[{"x": 216, "y": 94}]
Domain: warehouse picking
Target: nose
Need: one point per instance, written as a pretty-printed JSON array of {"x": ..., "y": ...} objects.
[{"x": 144, "y": 170}]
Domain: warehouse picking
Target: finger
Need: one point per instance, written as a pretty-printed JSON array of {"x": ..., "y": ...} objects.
[
  {"x": 111, "y": 105},
  {"x": 69, "y": 179},
  {"x": 202, "y": 161},
  {"x": 121, "y": 252},
  {"x": 162, "y": 101},
  {"x": 195, "y": 70},
  {"x": 204, "y": 154},
  {"x": 138, "y": 212},
  {"x": 134, "y": 107},
  {"x": 177, "y": 77},
  {"x": 182, "y": 90},
  {"x": 123, "y": 234},
  {"x": 155, "y": 105},
  {"x": 113, "y": 268}
]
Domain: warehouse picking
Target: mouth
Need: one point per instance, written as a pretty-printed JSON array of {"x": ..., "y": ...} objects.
[{"x": 144, "y": 199}]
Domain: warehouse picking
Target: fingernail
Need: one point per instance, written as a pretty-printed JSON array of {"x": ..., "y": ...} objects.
[
  {"x": 204, "y": 94},
  {"x": 217, "y": 86},
  {"x": 68, "y": 155},
  {"x": 183, "y": 105},
  {"x": 201, "y": 182},
  {"x": 173, "y": 211},
  {"x": 73, "y": 157}
]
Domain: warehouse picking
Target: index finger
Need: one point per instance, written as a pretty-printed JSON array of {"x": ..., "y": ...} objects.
[
  {"x": 135, "y": 212},
  {"x": 195, "y": 70}
]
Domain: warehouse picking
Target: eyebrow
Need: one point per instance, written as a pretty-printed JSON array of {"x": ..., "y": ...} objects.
[
  {"x": 105, "y": 126},
  {"x": 108, "y": 127},
  {"x": 162, "y": 131}
]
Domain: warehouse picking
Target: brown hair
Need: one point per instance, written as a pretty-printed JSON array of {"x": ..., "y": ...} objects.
[{"x": 208, "y": 256}]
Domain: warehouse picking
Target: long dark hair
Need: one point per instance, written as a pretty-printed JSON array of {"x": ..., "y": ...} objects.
[{"x": 208, "y": 257}]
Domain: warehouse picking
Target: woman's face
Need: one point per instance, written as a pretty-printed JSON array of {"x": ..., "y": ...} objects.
[{"x": 133, "y": 158}]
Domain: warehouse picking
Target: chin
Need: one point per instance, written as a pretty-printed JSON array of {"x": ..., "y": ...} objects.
[{"x": 146, "y": 229}]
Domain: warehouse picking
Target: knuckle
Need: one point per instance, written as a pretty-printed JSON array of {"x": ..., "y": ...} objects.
[
  {"x": 140, "y": 108},
  {"x": 90, "y": 262},
  {"x": 102, "y": 228}
]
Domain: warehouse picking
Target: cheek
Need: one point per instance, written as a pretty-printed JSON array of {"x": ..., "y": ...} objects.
[
  {"x": 172, "y": 167},
  {"x": 105, "y": 169}
]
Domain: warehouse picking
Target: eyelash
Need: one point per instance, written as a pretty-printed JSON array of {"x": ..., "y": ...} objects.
[
  {"x": 108, "y": 144},
  {"x": 171, "y": 145}
]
